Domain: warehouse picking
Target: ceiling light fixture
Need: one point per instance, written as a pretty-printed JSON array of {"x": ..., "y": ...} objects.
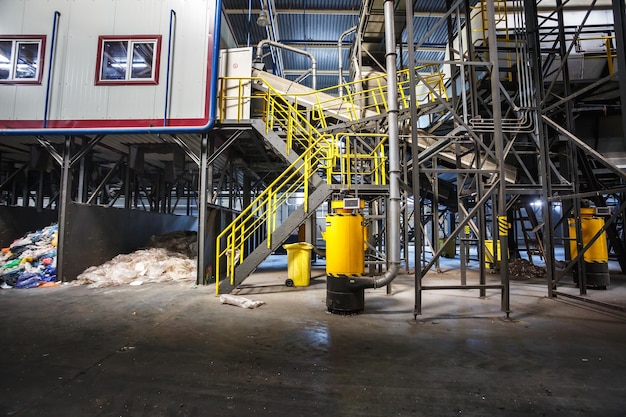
[{"x": 263, "y": 20}]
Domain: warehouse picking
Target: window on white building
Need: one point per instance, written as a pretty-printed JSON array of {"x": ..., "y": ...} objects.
[
  {"x": 128, "y": 60},
  {"x": 21, "y": 58}
]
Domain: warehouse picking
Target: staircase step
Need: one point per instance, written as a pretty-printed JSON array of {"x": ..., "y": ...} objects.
[{"x": 282, "y": 232}]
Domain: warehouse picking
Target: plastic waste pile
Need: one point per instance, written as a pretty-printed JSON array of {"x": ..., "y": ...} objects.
[
  {"x": 169, "y": 261},
  {"x": 30, "y": 261},
  {"x": 181, "y": 241}
]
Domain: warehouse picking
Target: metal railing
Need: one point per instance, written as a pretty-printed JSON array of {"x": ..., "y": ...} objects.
[
  {"x": 362, "y": 98},
  {"x": 341, "y": 157}
]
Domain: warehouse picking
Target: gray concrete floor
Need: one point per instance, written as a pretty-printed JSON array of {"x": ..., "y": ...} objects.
[{"x": 174, "y": 350}]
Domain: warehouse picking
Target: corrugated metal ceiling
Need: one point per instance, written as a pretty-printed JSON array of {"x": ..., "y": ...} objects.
[
  {"x": 316, "y": 25},
  {"x": 313, "y": 25}
]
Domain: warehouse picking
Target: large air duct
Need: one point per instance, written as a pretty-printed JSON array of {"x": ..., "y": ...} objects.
[{"x": 312, "y": 70}]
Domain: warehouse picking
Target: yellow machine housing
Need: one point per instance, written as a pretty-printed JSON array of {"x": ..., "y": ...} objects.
[
  {"x": 345, "y": 242},
  {"x": 345, "y": 256},
  {"x": 490, "y": 262},
  {"x": 590, "y": 225},
  {"x": 596, "y": 258}
]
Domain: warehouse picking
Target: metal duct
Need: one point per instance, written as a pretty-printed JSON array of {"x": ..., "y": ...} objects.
[
  {"x": 393, "y": 226},
  {"x": 340, "y": 57},
  {"x": 313, "y": 70}
]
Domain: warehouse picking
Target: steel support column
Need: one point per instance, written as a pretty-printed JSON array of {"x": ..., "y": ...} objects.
[
  {"x": 499, "y": 149},
  {"x": 64, "y": 200},
  {"x": 203, "y": 190},
  {"x": 532, "y": 28},
  {"x": 619, "y": 21}
]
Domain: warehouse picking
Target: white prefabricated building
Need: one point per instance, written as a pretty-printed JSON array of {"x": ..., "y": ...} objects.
[{"x": 107, "y": 65}]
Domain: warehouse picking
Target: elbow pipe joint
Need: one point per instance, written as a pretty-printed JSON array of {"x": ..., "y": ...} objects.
[
  {"x": 356, "y": 284},
  {"x": 259, "y": 55}
]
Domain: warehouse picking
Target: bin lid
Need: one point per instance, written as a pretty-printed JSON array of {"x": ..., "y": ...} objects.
[{"x": 298, "y": 245}]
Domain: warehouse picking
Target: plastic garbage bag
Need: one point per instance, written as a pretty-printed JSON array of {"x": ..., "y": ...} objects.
[
  {"x": 238, "y": 301},
  {"x": 28, "y": 280}
]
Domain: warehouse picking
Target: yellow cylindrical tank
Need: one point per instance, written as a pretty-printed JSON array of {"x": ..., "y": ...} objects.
[
  {"x": 345, "y": 245},
  {"x": 590, "y": 225}
]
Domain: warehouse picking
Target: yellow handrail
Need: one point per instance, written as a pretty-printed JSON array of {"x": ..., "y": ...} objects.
[
  {"x": 364, "y": 97},
  {"x": 361, "y": 158},
  {"x": 264, "y": 209},
  {"x": 354, "y": 166}
]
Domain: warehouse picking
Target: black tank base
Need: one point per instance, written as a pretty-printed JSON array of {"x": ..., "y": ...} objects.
[
  {"x": 341, "y": 298},
  {"x": 597, "y": 275}
]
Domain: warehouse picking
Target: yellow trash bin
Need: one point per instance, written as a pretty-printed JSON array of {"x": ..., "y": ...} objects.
[{"x": 298, "y": 264}]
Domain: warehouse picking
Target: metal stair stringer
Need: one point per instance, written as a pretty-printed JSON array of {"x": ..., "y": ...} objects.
[
  {"x": 282, "y": 232},
  {"x": 280, "y": 146}
]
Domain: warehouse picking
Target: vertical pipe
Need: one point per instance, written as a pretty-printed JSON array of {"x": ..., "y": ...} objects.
[
  {"x": 249, "y": 22},
  {"x": 417, "y": 212},
  {"x": 340, "y": 57},
  {"x": 394, "y": 138},
  {"x": 499, "y": 149},
  {"x": 55, "y": 26},
  {"x": 393, "y": 214},
  {"x": 170, "y": 40}
]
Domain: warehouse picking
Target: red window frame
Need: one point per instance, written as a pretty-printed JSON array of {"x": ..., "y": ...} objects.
[
  {"x": 138, "y": 81},
  {"x": 42, "y": 53}
]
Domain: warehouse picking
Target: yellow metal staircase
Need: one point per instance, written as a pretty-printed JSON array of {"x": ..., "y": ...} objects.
[{"x": 326, "y": 162}]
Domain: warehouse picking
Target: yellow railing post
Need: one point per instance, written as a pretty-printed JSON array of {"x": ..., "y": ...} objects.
[
  {"x": 609, "y": 54},
  {"x": 282, "y": 113},
  {"x": 269, "y": 220},
  {"x": 217, "y": 266}
]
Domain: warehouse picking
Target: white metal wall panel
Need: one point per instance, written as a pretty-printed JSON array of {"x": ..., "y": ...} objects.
[
  {"x": 74, "y": 95},
  {"x": 22, "y": 101},
  {"x": 189, "y": 49},
  {"x": 75, "y": 98},
  {"x": 145, "y": 19},
  {"x": 236, "y": 63}
]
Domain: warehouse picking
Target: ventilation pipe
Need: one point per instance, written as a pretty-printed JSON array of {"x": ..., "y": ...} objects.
[
  {"x": 345, "y": 294},
  {"x": 340, "y": 55},
  {"x": 313, "y": 69},
  {"x": 393, "y": 226}
]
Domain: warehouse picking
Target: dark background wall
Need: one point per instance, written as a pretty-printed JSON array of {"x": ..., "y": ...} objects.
[
  {"x": 15, "y": 222},
  {"x": 94, "y": 234}
]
